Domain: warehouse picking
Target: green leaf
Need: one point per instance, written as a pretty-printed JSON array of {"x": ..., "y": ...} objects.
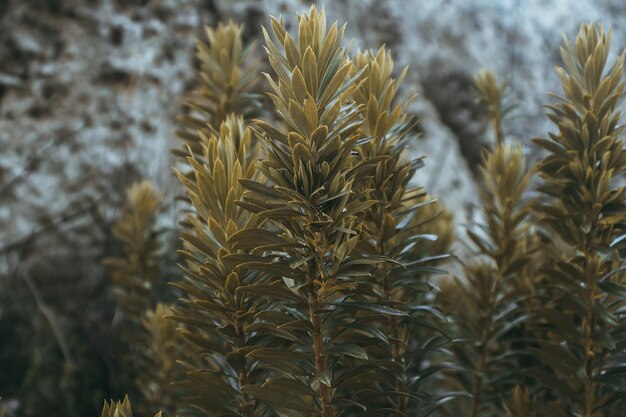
[
  {"x": 359, "y": 306},
  {"x": 350, "y": 349},
  {"x": 277, "y": 398}
]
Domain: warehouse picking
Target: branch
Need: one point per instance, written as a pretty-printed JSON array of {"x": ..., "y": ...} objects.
[
  {"x": 50, "y": 317},
  {"x": 28, "y": 240}
]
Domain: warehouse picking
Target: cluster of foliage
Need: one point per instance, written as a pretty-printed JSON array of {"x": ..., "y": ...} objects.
[
  {"x": 312, "y": 259},
  {"x": 119, "y": 409},
  {"x": 309, "y": 253},
  {"x": 540, "y": 312}
]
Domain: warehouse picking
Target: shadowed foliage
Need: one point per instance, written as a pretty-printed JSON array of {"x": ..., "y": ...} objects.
[
  {"x": 220, "y": 300},
  {"x": 581, "y": 318},
  {"x": 490, "y": 303},
  {"x": 162, "y": 346},
  {"x": 227, "y": 77},
  {"x": 309, "y": 250},
  {"x": 311, "y": 253},
  {"x": 397, "y": 227},
  {"x": 135, "y": 275}
]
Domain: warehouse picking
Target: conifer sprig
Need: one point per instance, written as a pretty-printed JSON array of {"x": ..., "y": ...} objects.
[
  {"x": 150, "y": 338},
  {"x": 395, "y": 228},
  {"x": 227, "y": 78},
  {"x": 314, "y": 203},
  {"x": 308, "y": 253},
  {"x": 136, "y": 274},
  {"x": 491, "y": 94},
  {"x": 162, "y": 348},
  {"x": 216, "y": 306},
  {"x": 487, "y": 305},
  {"x": 582, "y": 316},
  {"x": 119, "y": 409}
]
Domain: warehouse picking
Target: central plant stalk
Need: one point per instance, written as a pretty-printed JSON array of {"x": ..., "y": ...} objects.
[
  {"x": 398, "y": 357},
  {"x": 397, "y": 349},
  {"x": 318, "y": 350},
  {"x": 246, "y": 405},
  {"x": 588, "y": 326},
  {"x": 484, "y": 346}
]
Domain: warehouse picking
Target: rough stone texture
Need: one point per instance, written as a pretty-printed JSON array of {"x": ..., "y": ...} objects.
[{"x": 89, "y": 90}]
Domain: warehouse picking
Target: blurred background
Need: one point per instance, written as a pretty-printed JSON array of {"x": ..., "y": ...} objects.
[{"x": 89, "y": 92}]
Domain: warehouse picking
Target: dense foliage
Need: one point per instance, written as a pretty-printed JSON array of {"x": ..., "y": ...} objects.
[{"x": 319, "y": 277}]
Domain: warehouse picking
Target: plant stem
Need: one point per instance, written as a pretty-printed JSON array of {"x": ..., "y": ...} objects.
[
  {"x": 397, "y": 354},
  {"x": 484, "y": 342},
  {"x": 479, "y": 383},
  {"x": 246, "y": 406},
  {"x": 589, "y": 388},
  {"x": 398, "y": 358},
  {"x": 497, "y": 127},
  {"x": 318, "y": 347}
]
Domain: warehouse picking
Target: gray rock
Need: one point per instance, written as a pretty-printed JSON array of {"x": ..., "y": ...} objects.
[{"x": 88, "y": 96}]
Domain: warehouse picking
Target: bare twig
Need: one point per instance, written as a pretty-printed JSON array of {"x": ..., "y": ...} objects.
[
  {"x": 50, "y": 317},
  {"x": 51, "y": 226}
]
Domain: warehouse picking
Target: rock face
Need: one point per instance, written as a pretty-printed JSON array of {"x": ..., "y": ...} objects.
[{"x": 89, "y": 91}]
